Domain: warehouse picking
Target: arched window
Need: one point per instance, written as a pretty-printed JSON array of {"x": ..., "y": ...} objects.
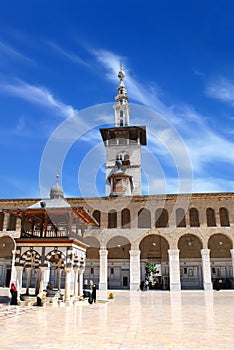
[
  {"x": 125, "y": 218},
  {"x": 144, "y": 218},
  {"x": 161, "y": 217},
  {"x": 112, "y": 219},
  {"x": 224, "y": 217},
  {"x": 210, "y": 217},
  {"x": 194, "y": 217},
  {"x": 180, "y": 217},
  {"x": 1, "y": 220},
  {"x": 11, "y": 223},
  {"x": 97, "y": 216}
]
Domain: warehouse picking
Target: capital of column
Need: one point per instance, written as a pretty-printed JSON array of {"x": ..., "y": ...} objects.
[
  {"x": 205, "y": 251},
  {"x": 103, "y": 252},
  {"x": 173, "y": 253},
  {"x": 134, "y": 252}
]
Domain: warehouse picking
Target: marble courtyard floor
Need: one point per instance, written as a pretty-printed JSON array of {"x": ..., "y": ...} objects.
[{"x": 132, "y": 320}]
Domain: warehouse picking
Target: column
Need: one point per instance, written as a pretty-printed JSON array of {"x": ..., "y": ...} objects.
[
  {"x": 19, "y": 274},
  {"x": 103, "y": 269},
  {"x": 13, "y": 269},
  {"x": 43, "y": 282},
  {"x": 232, "y": 255},
  {"x": 135, "y": 274},
  {"x": 174, "y": 264},
  {"x": 206, "y": 272},
  {"x": 67, "y": 296},
  {"x": 75, "y": 295},
  {"x": 80, "y": 283},
  {"x": 28, "y": 270}
]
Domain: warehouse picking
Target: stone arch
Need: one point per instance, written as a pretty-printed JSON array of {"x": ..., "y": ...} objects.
[
  {"x": 97, "y": 216},
  {"x": 154, "y": 247},
  {"x": 144, "y": 218},
  {"x": 118, "y": 248},
  {"x": 190, "y": 246},
  {"x": 180, "y": 217},
  {"x": 7, "y": 245},
  {"x": 112, "y": 218},
  {"x": 31, "y": 259},
  {"x": 11, "y": 223},
  {"x": 1, "y": 220},
  {"x": 220, "y": 246},
  {"x": 194, "y": 217},
  {"x": 125, "y": 218},
  {"x": 210, "y": 217},
  {"x": 55, "y": 255},
  {"x": 92, "y": 251},
  {"x": 224, "y": 217},
  {"x": 161, "y": 218}
]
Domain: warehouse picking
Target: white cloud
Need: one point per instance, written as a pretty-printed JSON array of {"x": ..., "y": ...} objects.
[
  {"x": 8, "y": 51},
  {"x": 221, "y": 89},
  {"x": 37, "y": 95},
  {"x": 69, "y": 55}
]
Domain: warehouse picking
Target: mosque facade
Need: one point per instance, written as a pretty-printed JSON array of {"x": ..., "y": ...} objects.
[{"x": 174, "y": 241}]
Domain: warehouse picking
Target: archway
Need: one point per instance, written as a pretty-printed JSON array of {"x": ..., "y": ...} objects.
[
  {"x": 7, "y": 245},
  {"x": 220, "y": 247},
  {"x": 57, "y": 274},
  {"x": 92, "y": 260},
  {"x": 154, "y": 261},
  {"x": 190, "y": 247},
  {"x": 118, "y": 262}
]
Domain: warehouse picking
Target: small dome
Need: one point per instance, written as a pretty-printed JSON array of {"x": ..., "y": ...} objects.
[{"x": 56, "y": 191}]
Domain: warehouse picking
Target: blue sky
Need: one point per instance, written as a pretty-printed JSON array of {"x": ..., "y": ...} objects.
[{"x": 58, "y": 77}]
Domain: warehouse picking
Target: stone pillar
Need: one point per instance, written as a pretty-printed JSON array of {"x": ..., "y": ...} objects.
[
  {"x": 206, "y": 270},
  {"x": 232, "y": 255},
  {"x": 103, "y": 269},
  {"x": 59, "y": 278},
  {"x": 80, "y": 283},
  {"x": 28, "y": 270},
  {"x": 43, "y": 282},
  {"x": 75, "y": 295},
  {"x": 13, "y": 269},
  {"x": 174, "y": 264},
  {"x": 135, "y": 274},
  {"x": 19, "y": 274},
  {"x": 67, "y": 296}
]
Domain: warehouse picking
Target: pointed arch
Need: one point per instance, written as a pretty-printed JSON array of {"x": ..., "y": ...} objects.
[{"x": 210, "y": 217}]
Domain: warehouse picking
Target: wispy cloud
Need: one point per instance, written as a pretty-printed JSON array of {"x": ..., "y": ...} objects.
[
  {"x": 221, "y": 89},
  {"x": 67, "y": 54},
  {"x": 9, "y": 51},
  {"x": 37, "y": 95}
]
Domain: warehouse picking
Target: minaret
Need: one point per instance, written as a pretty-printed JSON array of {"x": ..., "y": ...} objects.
[
  {"x": 121, "y": 107},
  {"x": 123, "y": 148}
]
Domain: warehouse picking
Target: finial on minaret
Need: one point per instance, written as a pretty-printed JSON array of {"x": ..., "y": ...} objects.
[
  {"x": 57, "y": 176},
  {"x": 121, "y": 107}
]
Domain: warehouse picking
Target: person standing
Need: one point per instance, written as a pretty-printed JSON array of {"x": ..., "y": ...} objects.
[
  {"x": 94, "y": 293},
  {"x": 14, "y": 294}
]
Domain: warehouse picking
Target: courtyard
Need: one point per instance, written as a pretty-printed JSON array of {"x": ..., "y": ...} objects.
[{"x": 132, "y": 320}]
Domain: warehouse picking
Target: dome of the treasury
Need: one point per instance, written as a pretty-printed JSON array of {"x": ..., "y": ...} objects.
[{"x": 56, "y": 191}]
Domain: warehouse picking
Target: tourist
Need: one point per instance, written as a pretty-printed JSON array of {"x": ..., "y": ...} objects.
[
  {"x": 40, "y": 298},
  {"x": 14, "y": 294},
  {"x": 94, "y": 293}
]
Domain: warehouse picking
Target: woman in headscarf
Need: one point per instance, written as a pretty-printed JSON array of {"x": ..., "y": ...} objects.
[{"x": 14, "y": 294}]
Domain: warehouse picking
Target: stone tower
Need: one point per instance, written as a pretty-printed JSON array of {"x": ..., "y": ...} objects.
[{"x": 123, "y": 148}]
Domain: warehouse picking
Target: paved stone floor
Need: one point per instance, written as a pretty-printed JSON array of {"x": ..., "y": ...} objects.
[{"x": 132, "y": 320}]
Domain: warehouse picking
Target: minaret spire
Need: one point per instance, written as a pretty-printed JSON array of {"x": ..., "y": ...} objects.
[{"x": 122, "y": 109}]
